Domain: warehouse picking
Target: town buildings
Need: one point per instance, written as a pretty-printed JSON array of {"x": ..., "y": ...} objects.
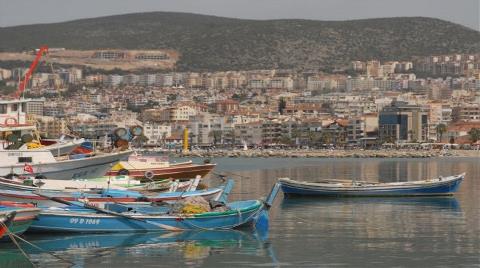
[{"x": 375, "y": 102}]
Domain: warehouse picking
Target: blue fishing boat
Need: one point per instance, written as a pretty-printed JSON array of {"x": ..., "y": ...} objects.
[
  {"x": 131, "y": 217},
  {"x": 336, "y": 188}
]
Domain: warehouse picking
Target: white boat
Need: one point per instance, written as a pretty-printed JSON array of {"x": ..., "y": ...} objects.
[
  {"x": 19, "y": 149},
  {"x": 42, "y": 162},
  {"x": 15, "y": 128}
]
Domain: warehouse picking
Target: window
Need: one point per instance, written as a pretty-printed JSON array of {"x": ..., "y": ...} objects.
[
  {"x": 3, "y": 108},
  {"x": 24, "y": 160}
]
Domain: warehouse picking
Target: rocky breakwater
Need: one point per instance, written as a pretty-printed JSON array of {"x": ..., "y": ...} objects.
[{"x": 319, "y": 153}]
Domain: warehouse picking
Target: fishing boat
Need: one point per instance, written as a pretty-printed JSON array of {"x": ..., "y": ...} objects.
[
  {"x": 19, "y": 148},
  {"x": 16, "y": 217},
  {"x": 438, "y": 186},
  {"x": 119, "y": 217},
  {"x": 44, "y": 197},
  {"x": 42, "y": 162},
  {"x": 34, "y": 183},
  {"x": 156, "y": 167},
  {"x": 17, "y": 132}
]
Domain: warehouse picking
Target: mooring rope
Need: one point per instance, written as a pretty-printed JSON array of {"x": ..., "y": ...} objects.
[
  {"x": 14, "y": 241},
  {"x": 43, "y": 250}
]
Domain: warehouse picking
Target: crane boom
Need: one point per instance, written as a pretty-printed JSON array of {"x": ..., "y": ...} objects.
[{"x": 23, "y": 84}]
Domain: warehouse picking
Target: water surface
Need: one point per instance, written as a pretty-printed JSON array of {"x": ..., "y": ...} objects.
[{"x": 304, "y": 232}]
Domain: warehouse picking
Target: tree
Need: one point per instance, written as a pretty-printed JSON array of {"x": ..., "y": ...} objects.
[
  {"x": 441, "y": 129},
  {"x": 312, "y": 137},
  {"x": 411, "y": 133},
  {"x": 474, "y": 134},
  {"x": 282, "y": 104},
  {"x": 216, "y": 135},
  {"x": 284, "y": 139},
  {"x": 230, "y": 135},
  {"x": 326, "y": 137}
]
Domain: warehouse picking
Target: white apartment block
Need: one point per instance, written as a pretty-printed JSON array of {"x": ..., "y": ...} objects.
[{"x": 156, "y": 133}]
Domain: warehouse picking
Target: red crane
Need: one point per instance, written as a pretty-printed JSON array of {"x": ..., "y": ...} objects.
[{"x": 21, "y": 87}]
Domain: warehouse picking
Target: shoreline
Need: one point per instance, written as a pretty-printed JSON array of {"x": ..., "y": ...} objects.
[{"x": 324, "y": 153}]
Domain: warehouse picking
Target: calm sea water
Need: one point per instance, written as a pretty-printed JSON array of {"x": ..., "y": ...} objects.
[{"x": 305, "y": 232}]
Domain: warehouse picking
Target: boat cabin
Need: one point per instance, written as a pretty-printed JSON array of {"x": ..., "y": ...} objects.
[{"x": 13, "y": 120}]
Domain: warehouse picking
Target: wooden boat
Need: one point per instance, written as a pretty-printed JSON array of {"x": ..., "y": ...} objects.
[
  {"x": 16, "y": 217},
  {"x": 439, "y": 186},
  {"x": 155, "y": 167},
  {"x": 43, "y": 197},
  {"x": 118, "y": 217},
  {"x": 37, "y": 183}
]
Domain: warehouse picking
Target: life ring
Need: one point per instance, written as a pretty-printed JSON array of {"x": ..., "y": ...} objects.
[
  {"x": 15, "y": 121},
  {"x": 149, "y": 174}
]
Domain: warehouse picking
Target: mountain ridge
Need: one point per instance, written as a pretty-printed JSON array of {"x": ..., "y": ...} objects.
[{"x": 219, "y": 43}]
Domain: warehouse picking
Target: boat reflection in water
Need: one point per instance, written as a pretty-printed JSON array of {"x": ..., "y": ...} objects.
[
  {"x": 394, "y": 228},
  {"x": 191, "y": 246},
  {"x": 433, "y": 203}
]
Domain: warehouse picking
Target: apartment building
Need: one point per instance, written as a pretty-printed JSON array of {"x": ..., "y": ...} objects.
[
  {"x": 468, "y": 112},
  {"x": 156, "y": 133},
  {"x": 401, "y": 122}
]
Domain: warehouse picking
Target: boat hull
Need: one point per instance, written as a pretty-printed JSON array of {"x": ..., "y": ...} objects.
[
  {"x": 90, "y": 167},
  {"x": 30, "y": 197},
  {"x": 59, "y": 220},
  {"x": 445, "y": 187},
  {"x": 174, "y": 171},
  {"x": 22, "y": 221}
]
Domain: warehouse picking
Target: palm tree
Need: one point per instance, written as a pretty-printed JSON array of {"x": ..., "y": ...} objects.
[
  {"x": 284, "y": 139},
  {"x": 441, "y": 128},
  {"x": 217, "y": 136},
  {"x": 410, "y": 135},
  {"x": 326, "y": 137},
  {"x": 474, "y": 134},
  {"x": 311, "y": 137}
]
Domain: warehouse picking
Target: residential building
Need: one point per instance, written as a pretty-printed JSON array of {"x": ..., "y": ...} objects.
[
  {"x": 156, "y": 133},
  {"x": 468, "y": 112},
  {"x": 51, "y": 127},
  {"x": 402, "y": 122}
]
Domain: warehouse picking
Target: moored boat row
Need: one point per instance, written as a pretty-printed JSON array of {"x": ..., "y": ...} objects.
[{"x": 89, "y": 217}]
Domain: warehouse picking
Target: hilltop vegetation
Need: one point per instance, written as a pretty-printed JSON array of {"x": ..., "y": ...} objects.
[{"x": 216, "y": 43}]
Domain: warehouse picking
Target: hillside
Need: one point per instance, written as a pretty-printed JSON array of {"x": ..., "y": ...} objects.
[{"x": 216, "y": 43}]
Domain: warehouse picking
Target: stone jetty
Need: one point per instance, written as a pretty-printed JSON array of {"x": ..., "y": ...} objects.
[{"x": 357, "y": 153}]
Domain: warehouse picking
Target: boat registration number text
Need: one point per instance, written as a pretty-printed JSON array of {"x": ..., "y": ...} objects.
[{"x": 85, "y": 221}]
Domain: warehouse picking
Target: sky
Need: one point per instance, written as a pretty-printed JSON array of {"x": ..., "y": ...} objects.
[{"x": 20, "y": 12}]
